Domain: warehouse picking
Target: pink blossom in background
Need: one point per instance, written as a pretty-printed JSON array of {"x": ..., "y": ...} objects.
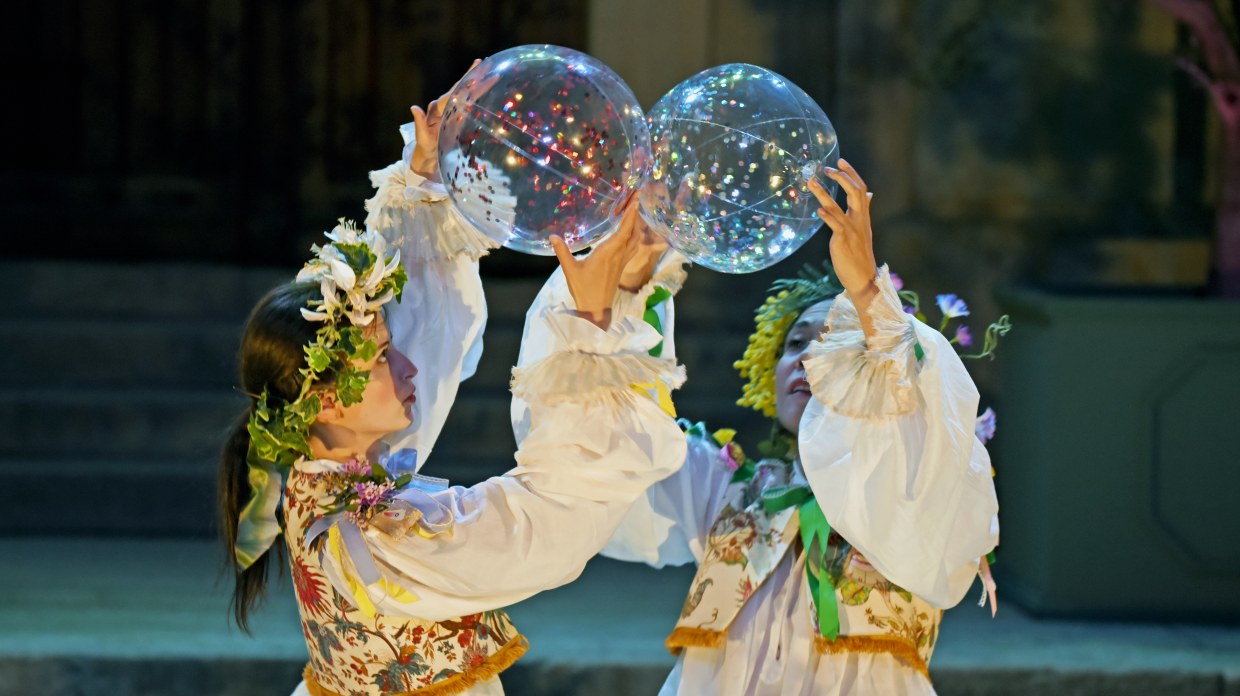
[
  {"x": 896, "y": 281},
  {"x": 985, "y": 426},
  {"x": 963, "y": 336}
]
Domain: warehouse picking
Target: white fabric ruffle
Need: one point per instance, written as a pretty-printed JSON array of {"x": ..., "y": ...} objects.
[
  {"x": 670, "y": 274},
  {"x": 859, "y": 379},
  {"x": 593, "y": 365},
  {"x": 405, "y": 205}
]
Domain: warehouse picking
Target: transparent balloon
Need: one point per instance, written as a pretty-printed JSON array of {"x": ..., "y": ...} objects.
[
  {"x": 542, "y": 140},
  {"x": 734, "y": 148}
]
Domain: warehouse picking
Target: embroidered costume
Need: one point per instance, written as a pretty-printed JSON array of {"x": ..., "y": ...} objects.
[
  {"x": 827, "y": 572},
  {"x": 400, "y": 579}
]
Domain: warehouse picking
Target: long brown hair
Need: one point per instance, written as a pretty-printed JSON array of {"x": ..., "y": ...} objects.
[{"x": 271, "y": 355}]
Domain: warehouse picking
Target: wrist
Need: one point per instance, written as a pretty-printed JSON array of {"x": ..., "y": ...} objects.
[
  {"x": 863, "y": 293},
  {"x": 600, "y": 318}
]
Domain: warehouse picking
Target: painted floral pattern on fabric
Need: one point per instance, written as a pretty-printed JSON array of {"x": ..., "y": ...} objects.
[
  {"x": 746, "y": 543},
  {"x": 351, "y": 653}
]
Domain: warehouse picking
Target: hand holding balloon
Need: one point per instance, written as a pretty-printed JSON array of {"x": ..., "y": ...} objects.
[
  {"x": 852, "y": 239},
  {"x": 593, "y": 281},
  {"x": 425, "y": 158}
]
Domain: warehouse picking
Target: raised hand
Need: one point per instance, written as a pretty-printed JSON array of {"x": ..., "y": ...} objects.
[
  {"x": 650, "y": 248},
  {"x": 852, "y": 240},
  {"x": 594, "y": 280},
  {"x": 425, "y": 158}
]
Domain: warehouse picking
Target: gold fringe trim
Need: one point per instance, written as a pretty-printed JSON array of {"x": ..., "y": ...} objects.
[
  {"x": 499, "y": 661},
  {"x": 874, "y": 644},
  {"x": 683, "y": 637}
]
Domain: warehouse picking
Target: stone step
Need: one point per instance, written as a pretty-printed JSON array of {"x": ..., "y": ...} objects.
[
  {"x": 108, "y": 497},
  {"x": 116, "y": 422},
  {"x": 148, "y": 617},
  {"x": 60, "y": 289},
  {"x": 99, "y": 352}
]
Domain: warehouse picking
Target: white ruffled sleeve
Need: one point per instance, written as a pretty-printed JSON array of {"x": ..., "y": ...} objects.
[
  {"x": 439, "y": 321},
  {"x": 593, "y": 447},
  {"x": 538, "y": 339},
  {"x": 668, "y": 525},
  {"x": 888, "y": 447}
]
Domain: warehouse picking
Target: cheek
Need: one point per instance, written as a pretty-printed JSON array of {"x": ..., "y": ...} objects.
[{"x": 786, "y": 365}]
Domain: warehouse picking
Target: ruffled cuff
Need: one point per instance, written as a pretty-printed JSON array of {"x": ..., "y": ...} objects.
[
  {"x": 413, "y": 213},
  {"x": 593, "y": 365},
  {"x": 669, "y": 273},
  {"x": 862, "y": 380}
]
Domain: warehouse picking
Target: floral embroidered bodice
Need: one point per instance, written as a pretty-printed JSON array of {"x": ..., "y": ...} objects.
[
  {"x": 746, "y": 543},
  {"x": 353, "y": 652}
]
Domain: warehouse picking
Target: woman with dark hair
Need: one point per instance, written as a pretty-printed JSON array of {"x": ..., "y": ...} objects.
[
  {"x": 400, "y": 579},
  {"x": 824, "y": 566}
]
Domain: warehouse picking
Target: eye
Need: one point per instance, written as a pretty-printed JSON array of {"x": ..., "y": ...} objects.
[{"x": 382, "y": 359}]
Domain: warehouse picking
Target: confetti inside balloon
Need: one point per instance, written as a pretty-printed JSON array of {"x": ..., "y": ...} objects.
[
  {"x": 734, "y": 147},
  {"x": 542, "y": 140}
]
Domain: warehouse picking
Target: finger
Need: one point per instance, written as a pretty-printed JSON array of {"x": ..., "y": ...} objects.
[
  {"x": 617, "y": 244},
  {"x": 852, "y": 192},
  {"x": 420, "y": 127},
  {"x": 634, "y": 244},
  {"x": 441, "y": 102},
  {"x": 820, "y": 192},
  {"x": 628, "y": 224},
  {"x": 852, "y": 171},
  {"x": 833, "y": 221},
  {"x": 827, "y": 201},
  {"x": 562, "y": 254}
]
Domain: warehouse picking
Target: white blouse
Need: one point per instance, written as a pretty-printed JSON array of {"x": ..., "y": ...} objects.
[{"x": 888, "y": 448}]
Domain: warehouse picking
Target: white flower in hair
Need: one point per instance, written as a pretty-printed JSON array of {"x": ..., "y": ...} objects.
[{"x": 349, "y": 289}]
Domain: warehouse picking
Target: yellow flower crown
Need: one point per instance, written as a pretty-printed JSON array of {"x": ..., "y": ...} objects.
[{"x": 773, "y": 319}]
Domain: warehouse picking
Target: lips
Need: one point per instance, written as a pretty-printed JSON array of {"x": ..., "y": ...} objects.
[{"x": 799, "y": 386}]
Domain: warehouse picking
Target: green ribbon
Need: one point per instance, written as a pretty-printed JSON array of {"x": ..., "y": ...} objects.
[
  {"x": 814, "y": 533},
  {"x": 651, "y": 317}
]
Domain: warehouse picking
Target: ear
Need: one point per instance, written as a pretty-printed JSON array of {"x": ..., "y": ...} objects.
[{"x": 330, "y": 410}]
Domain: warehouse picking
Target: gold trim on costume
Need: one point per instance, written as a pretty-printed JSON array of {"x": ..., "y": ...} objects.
[
  {"x": 682, "y": 638},
  {"x": 499, "y": 661},
  {"x": 874, "y": 644}
]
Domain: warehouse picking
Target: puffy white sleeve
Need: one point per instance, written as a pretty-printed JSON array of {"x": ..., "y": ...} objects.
[
  {"x": 439, "y": 321},
  {"x": 888, "y": 447},
  {"x": 593, "y": 446},
  {"x": 669, "y": 524}
]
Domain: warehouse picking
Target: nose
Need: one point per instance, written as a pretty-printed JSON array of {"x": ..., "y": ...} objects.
[{"x": 402, "y": 367}]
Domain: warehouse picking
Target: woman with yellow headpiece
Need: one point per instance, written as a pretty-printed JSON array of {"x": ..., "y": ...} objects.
[{"x": 824, "y": 566}]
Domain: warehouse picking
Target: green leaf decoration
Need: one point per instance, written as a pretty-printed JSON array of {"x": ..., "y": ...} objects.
[
  {"x": 318, "y": 358},
  {"x": 366, "y": 351},
  {"x": 279, "y": 431},
  {"x": 350, "y": 383},
  {"x": 359, "y": 257}
]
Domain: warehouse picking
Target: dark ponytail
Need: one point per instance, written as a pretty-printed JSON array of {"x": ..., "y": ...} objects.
[{"x": 270, "y": 357}]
